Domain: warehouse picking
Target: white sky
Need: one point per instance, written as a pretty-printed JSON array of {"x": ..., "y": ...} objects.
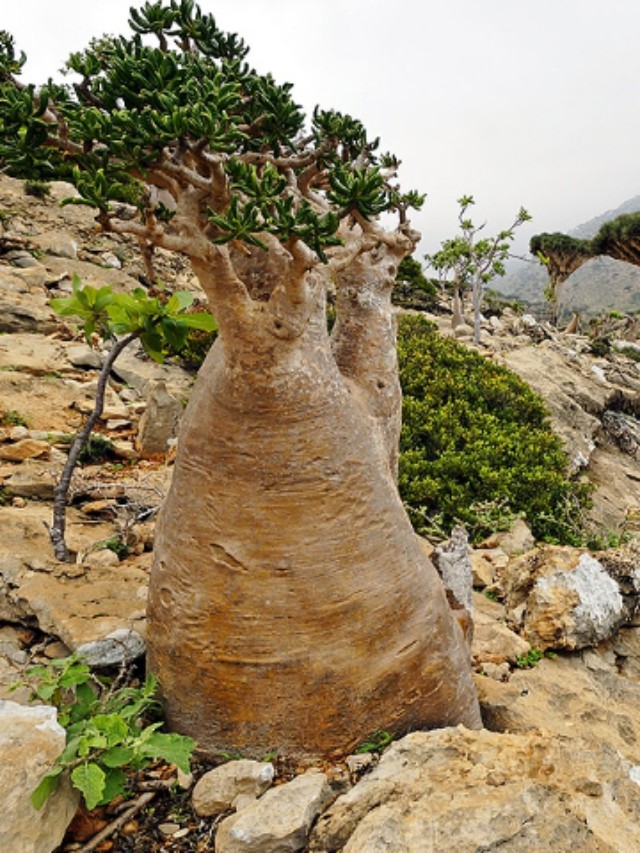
[{"x": 512, "y": 101}]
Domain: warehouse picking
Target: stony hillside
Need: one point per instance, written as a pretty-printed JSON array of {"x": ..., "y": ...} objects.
[
  {"x": 602, "y": 284},
  {"x": 571, "y": 786}
]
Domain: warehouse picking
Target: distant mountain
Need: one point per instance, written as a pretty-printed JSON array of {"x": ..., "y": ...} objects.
[{"x": 600, "y": 285}]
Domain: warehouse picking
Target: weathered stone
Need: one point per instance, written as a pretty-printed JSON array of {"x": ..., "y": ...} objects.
[
  {"x": 483, "y": 570},
  {"x": 28, "y": 448},
  {"x": 32, "y": 479},
  {"x": 280, "y": 821},
  {"x": 30, "y": 742},
  {"x": 570, "y": 601},
  {"x": 577, "y": 695},
  {"x": 57, "y": 243},
  {"x": 160, "y": 422},
  {"x": 218, "y": 790},
  {"x": 120, "y": 646},
  {"x": 518, "y": 539},
  {"x": 454, "y": 567},
  {"x": 77, "y": 603},
  {"x": 454, "y": 789},
  {"x": 81, "y": 355},
  {"x": 494, "y": 642}
]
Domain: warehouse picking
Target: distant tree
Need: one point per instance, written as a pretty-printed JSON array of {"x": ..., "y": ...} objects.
[
  {"x": 562, "y": 255},
  {"x": 290, "y": 604},
  {"x": 469, "y": 263}
]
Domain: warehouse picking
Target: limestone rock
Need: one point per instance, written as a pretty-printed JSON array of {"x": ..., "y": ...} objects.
[
  {"x": 493, "y": 641},
  {"x": 28, "y": 448},
  {"x": 218, "y": 790},
  {"x": 160, "y": 422},
  {"x": 77, "y": 603},
  {"x": 81, "y": 355},
  {"x": 120, "y": 646},
  {"x": 518, "y": 539},
  {"x": 22, "y": 311},
  {"x": 30, "y": 742},
  {"x": 57, "y": 243},
  {"x": 34, "y": 478},
  {"x": 576, "y": 695},
  {"x": 565, "y": 598},
  {"x": 454, "y": 789},
  {"x": 280, "y": 821},
  {"x": 454, "y": 567}
]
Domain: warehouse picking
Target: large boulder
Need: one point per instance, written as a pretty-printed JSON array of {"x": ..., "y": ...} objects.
[
  {"x": 30, "y": 742},
  {"x": 454, "y": 789},
  {"x": 562, "y": 598}
]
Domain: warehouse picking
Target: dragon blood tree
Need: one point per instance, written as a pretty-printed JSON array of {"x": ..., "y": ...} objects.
[{"x": 290, "y": 605}]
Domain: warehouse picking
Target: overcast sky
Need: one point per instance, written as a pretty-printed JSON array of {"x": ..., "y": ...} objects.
[{"x": 515, "y": 102}]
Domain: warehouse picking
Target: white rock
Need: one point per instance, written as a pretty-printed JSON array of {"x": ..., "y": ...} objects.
[
  {"x": 30, "y": 742},
  {"x": 280, "y": 821},
  {"x": 221, "y": 788}
]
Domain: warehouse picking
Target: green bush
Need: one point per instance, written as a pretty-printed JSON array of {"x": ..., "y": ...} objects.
[{"x": 476, "y": 444}]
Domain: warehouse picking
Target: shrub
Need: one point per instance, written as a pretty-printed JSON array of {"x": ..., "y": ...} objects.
[
  {"x": 476, "y": 444},
  {"x": 37, "y": 189}
]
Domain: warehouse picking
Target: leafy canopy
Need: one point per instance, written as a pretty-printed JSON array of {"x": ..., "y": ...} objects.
[
  {"x": 174, "y": 108},
  {"x": 159, "y": 324}
]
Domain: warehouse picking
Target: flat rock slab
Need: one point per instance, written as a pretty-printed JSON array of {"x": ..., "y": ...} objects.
[
  {"x": 77, "y": 603},
  {"x": 468, "y": 792}
]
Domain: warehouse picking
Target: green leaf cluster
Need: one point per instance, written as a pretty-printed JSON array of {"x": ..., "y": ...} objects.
[
  {"x": 159, "y": 324},
  {"x": 175, "y": 105},
  {"x": 476, "y": 436},
  {"x": 107, "y": 730}
]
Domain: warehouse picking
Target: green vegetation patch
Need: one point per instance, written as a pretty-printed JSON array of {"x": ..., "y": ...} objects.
[{"x": 476, "y": 445}]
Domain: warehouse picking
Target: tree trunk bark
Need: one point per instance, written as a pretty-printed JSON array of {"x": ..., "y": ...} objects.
[{"x": 291, "y": 606}]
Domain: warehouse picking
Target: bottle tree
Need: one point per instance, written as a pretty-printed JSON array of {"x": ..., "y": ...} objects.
[
  {"x": 468, "y": 261},
  {"x": 290, "y": 604}
]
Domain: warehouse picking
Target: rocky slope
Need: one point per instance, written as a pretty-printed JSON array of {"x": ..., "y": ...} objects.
[{"x": 573, "y": 784}]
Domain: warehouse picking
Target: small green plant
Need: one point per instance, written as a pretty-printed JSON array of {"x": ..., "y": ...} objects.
[
  {"x": 108, "y": 730},
  {"x": 97, "y": 449},
  {"x": 377, "y": 741},
  {"x": 37, "y": 189},
  {"x": 13, "y": 418},
  {"x": 533, "y": 658},
  {"x": 115, "y": 544}
]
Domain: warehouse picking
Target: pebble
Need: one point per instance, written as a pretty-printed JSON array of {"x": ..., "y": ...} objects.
[{"x": 169, "y": 829}]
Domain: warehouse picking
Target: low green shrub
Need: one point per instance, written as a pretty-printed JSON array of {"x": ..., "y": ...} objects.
[
  {"x": 13, "y": 418},
  {"x": 476, "y": 445}
]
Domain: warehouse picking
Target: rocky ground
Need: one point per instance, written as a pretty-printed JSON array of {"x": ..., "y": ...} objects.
[{"x": 556, "y": 645}]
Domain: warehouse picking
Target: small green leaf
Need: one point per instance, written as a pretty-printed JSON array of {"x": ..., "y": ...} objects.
[
  {"x": 89, "y": 779},
  {"x": 46, "y": 787},
  {"x": 203, "y": 322},
  {"x": 173, "y": 748},
  {"x": 179, "y": 301},
  {"x": 117, "y": 756},
  {"x": 114, "y": 784}
]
